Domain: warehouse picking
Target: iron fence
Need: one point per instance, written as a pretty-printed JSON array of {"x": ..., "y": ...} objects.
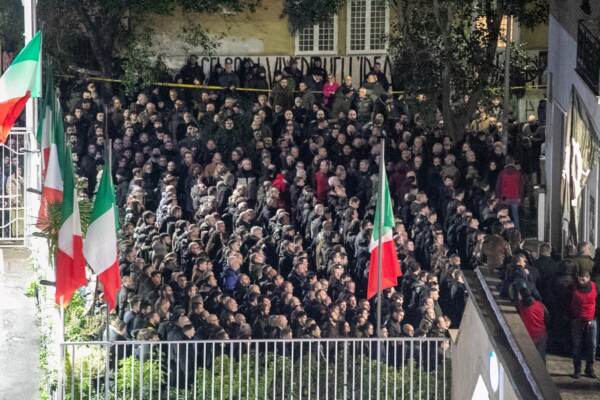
[
  {"x": 399, "y": 368},
  {"x": 13, "y": 197}
]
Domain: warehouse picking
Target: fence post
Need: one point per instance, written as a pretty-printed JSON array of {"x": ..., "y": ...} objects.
[
  {"x": 106, "y": 369},
  {"x": 345, "y": 369}
]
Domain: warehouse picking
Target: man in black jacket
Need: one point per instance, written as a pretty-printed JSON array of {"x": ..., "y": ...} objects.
[{"x": 394, "y": 324}]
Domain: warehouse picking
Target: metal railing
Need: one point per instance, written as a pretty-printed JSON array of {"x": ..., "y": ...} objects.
[
  {"x": 399, "y": 368},
  {"x": 13, "y": 197},
  {"x": 588, "y": 54}
]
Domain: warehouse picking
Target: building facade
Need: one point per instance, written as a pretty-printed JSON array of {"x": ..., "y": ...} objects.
[
  {"x": 573, "y": 124},
  {"x": 348, "y": 43}
]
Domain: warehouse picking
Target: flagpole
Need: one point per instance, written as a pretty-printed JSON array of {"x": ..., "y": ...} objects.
[
  {"x": 380, "y": 256},
  {"x": 61, "y": 335},
  {"x": 106, "y": 169},
  {"x": 380, "y": 232}
]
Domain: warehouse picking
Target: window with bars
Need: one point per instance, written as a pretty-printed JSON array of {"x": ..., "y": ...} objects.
[
  {"x": 368, "y": 22},
  {"x": 320, "y": 38}
]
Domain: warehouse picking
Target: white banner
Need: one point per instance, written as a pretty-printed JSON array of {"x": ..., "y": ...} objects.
[{"x": 340, "y": 66}]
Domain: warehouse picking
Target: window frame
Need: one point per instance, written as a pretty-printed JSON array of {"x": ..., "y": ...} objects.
[
  {"x": 315, "y": 50},
  {"x": 367, "y": 29}
]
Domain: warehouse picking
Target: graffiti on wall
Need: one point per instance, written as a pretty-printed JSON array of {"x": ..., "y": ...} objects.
[{"x": 340, "y": 66}]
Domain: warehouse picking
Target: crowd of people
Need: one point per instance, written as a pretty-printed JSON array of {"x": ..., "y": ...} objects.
[
  {"x": 557, "y": 300},
  {"x": 249, "y": 215}
]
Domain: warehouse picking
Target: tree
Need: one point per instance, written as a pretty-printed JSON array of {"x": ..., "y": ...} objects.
[
  {"x": 444, "y": 51},
  {"x": 447, "y": 51},
  {"x": 11, "y": 25},
  {"x": 93, "y": 34}
]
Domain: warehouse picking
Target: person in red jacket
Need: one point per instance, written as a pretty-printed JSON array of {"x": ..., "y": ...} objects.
[
  {"x": 322, "y": 182},
  {"x": 534, "y": 316},
  {"x": 509, "y": 188},
  {"x": 583, "y": 325}
]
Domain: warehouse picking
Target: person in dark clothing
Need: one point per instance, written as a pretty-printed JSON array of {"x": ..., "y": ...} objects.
[
  {"x": 260, "y": 209},
  {"x": 548, "y": 270},
  {"x": 583, "y": 260},
  {"x": 394, "y": 324},
  {"x": 191, "y": 72}
]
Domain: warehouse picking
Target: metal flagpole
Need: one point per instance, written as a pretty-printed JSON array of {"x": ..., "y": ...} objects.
[
  {"x": 379, "y": 258},
  {"x": 61, "y": 347},
  {"x": 506, "y": 105},
  {"x": 380, "y": 232},
  {"x": 107, "y": 169}
]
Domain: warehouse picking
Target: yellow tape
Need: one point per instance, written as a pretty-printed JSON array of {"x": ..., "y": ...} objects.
[{"x": 208, "y": 87}]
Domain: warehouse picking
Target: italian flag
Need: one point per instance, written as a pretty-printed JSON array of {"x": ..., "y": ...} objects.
[
  {"x": 21, "y": 81},
  {"x": 52, "y": 187},
  {"x": 390, "y": 267},
  {"x": 70, "y": 264},
  {"x": 100, "y": 246},
  {"x": 46, "y": 121}
]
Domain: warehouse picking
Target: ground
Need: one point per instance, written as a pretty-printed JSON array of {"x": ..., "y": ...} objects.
[
  {"x": 19, "y": 329},
  {"x": 561, "y": 368}
]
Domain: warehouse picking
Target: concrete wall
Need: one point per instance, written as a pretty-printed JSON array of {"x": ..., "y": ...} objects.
[
  {"x": 471, "y": 361},
  {"x": 562, "y": 59},
  {"x": 258, "y": 33},
  {"x": 534, "y": 39},
  {"x": 263, "y": 32}
]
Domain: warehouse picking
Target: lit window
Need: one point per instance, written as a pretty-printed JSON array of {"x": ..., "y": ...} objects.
[
  {"x": 368, "y": 26},
  {"x": 320, "y": 38}
]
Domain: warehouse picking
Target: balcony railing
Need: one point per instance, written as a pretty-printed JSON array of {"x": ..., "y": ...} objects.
[{"x": 588, "y": 53}]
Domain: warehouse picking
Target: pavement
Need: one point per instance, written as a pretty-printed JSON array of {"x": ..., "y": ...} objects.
[
  {"x": 561, "y": 368},
  {"x": 19, "y": 329}
]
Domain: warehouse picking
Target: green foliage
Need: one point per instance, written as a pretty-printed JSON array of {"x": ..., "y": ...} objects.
[
  {"x": 320, "y": 374},
  {"x": 86, "y": 366},
  {"x": 11, "y": 25},
  {"x": 135, "y": 376},
  {"x": 192, "y": 35},
  {"x": 100, "y": 30},
  {"x": 52, "y": 224},
  {"x": 216, "y": 6},
  {"x": 45, "y": 375},
  {"x": 315, "y": 376},
  {"x": 79, "y": 324},
  {"x": 138, "y": 70},
  {"x": 447, "y": 51},
  {"x": 32, "y": 288},
  {"x": 304, "y": 13}
]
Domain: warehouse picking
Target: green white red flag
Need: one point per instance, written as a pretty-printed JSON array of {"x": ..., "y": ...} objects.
[
  {"x": 390, "y": 266},
  {"x": 100, "y": 246},
  {"x": 70, "y": 264},
  {"x": 46, "y": 120},
  {"x": 52, "y": 186},
  {"x": 20, "y": 82}
]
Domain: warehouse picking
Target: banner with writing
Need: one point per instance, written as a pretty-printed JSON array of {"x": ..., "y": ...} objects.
[{"x": 340, "y": 66}]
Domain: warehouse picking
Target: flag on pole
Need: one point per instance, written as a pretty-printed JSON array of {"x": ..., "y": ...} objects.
[
  {"x": 390, "y": 266},
  {"x": 70, "y": 264},
  {"x": 52, "y": 187},
  {"x": 46, "y": 120},
  {"x": 100, "y": 245},
  {"x": 20, "y": 82}
]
